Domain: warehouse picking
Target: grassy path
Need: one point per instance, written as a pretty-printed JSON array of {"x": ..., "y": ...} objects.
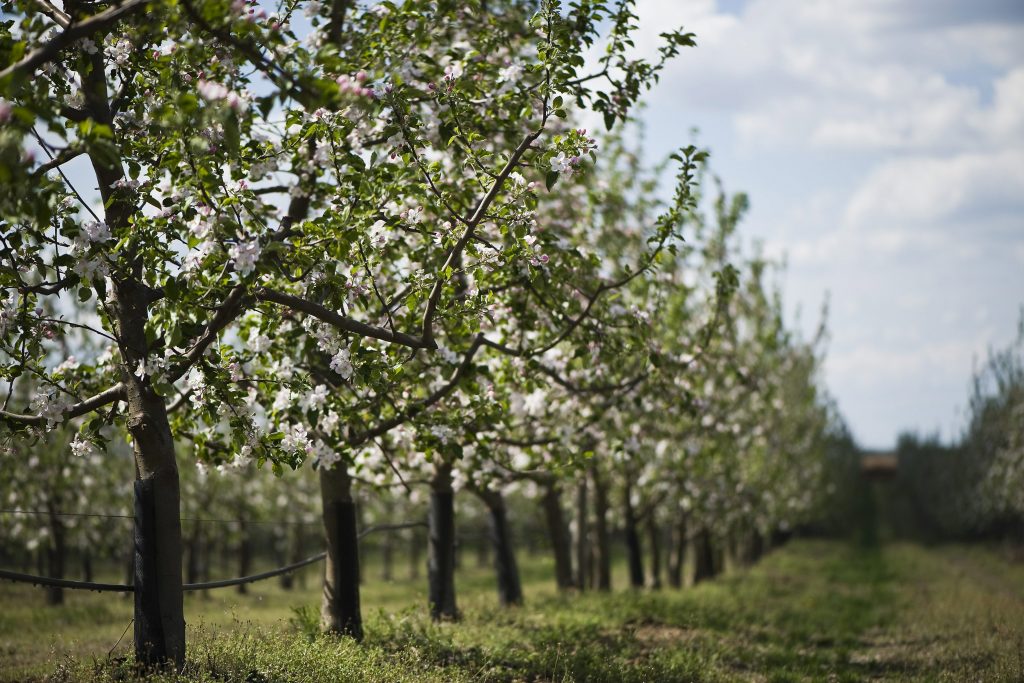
[{"x": 819, "y": 611}]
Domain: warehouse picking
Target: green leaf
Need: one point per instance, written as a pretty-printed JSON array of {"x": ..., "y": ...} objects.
[
  {"x": 550, "y": 179},
  {"x": 446, "y": 132},
  {"x": 232, "y": 135}
]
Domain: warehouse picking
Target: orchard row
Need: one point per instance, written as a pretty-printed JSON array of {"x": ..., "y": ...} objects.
[{"x": 382, "y": 243}]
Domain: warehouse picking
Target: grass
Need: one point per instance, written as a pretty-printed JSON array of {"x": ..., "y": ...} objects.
[{"x": 814, "y": 610}]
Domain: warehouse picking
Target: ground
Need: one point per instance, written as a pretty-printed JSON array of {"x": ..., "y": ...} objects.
[{"x": 812, "y": 610}]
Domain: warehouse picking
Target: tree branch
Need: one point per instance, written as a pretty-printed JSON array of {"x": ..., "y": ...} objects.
[
  {"x": 73, "y": 32},
  {"x": 416, "y": 409},
  {"x": 114, "y": 393},
  {"x": 340, "y": 321},
  {"x": 427, "y": 331}
]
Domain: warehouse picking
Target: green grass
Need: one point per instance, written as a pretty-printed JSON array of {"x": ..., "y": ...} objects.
[{"x": 819, "y": 611}]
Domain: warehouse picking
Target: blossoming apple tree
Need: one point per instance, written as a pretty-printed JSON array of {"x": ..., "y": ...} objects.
[{"x": 331, "y": 170}]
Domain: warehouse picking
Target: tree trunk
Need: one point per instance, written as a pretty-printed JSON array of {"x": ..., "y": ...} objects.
[
  {"x": 294, "y": 542},
  {"x": 756, "y": 547},
  {"x": 339, "y": 606},
  {"x": 779, "y": 537},
  {"x": 703, "y": 556},
  {"x": 387, "y": 557},
  {"x": 56, "y": 556},
  {"x": 634, "y": 552},
  {"x": 604, "y": 548},
  {"x": 654, "y": 540},
  {"x": 283, "y": 554},
  {"x": 732, "y": 550},
  {"x": 441, "y": 547},
  {"x": 192, "y": 560},
  {"x": 510, "y": 590},
  {"x": 558, "y": 532},
  {"x": 87, "y": 572},
  {"x": 298, "y": 549},
  {"x": 677, "y": 558},
  {"x": 244, "y": 554},
  {"x": 279, "y": 546},
  {"x": 129, "y": 572},
  {"x": 415, "y": 555},
  {"x": 198, "y": 552},
  {"x": 386, "y": 543},
  {"x": 159, "y": 600},
  {"x": 584, "y": 569}
]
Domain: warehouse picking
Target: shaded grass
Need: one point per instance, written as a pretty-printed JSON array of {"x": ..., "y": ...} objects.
[{"x": 811, "y": 611}]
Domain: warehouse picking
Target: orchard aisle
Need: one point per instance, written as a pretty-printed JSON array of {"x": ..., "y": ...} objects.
[{"x": 812, "y": 610}]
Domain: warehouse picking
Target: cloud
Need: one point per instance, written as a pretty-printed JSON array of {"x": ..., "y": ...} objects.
[
  {"x": 862, "y": 365},
  {"x": 882, "y": 143},
  {"x": 929, "y": 192},
  {"x": 843, "y": 74}
]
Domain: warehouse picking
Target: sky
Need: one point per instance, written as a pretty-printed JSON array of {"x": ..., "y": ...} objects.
[{"x": 881, "y": 143}]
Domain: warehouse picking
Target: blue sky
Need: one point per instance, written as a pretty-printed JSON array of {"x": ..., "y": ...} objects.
[{"x": 882, "y": 146}]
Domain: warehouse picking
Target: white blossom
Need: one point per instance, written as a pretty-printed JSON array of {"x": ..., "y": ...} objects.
[
  {"x": 282, "y": 400},
  {"x": 296, "y": 439},
  {"x": 81, "y": 448},
  {"x": 51, "y": 405},
  {"x": 315, "y": 399},
  {"x": 149, "y": 367},
  {"x": 534, "y": 402},
  {"x": 217, "y": 92},
  {"x": 90, "y": 269},
  {"x": 379, "y": 234},
  {"x": 258, "y": 343},
  {"x": 327, "y": 458},
  {"x": 561, "y": 163},
  {"x": 120, "y": 51},
  {"x": 329, "y": 422},
  {"x": 453, "y": 70},
  {"x": 69, "y": 364},
  {"x": 96, "y": 231},
  {"x": 342, "y": 364},
  {"x": 448, "y": 355},
  {"x": 511, "y": 73},
  {"x": 244, "y": 256}
]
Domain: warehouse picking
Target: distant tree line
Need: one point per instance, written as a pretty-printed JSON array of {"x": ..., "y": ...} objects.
[{"x": 969, "y": 489}]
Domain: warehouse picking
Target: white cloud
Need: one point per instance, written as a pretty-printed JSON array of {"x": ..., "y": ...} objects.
[
  {"x": 847, "y": 74},
  {"x": 925, "y": 192},
  {"x": 882, "y": 143}
]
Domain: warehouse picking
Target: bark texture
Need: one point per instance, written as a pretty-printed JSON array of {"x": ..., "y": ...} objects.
[
  {"x": 677, "y": 558},
  {"x": 584, "y": 566},
  {"x": 56, "y": 558},
  {"x": 510, "y": 589},
  {"x": 654, "y": 543},
  {"x": 441, "y": 547},
  {"x": 558, "y": 532},
  {"x": 703, "y": 557},
  {"x": 339, "y": 605},
  {"x": 601, "y": 535},
  {"x": 634, "y": 553}
]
